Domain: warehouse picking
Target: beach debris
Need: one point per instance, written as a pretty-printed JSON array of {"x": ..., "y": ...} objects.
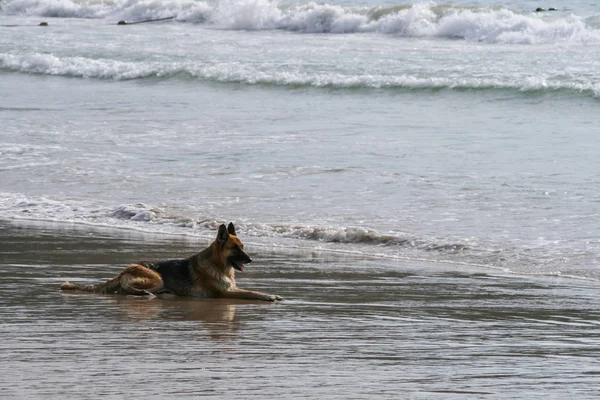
[{"x": 124, "y": 22}]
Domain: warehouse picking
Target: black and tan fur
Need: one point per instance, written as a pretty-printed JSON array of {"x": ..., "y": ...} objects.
[{"x": 209, "y": 273}]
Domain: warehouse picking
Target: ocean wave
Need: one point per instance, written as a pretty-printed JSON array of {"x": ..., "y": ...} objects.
[
  {"x": 157, "y": 219},
  {"x": 255, "y": 74},
  {"x": 358, "y": 240},
  {"x": 488, "y": 24},
  {"x": 82, "y": 67},
  {"x": 345, "y": 235},
  {"x": 357, "y": 235}
]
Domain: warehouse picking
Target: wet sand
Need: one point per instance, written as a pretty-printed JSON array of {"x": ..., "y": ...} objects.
[{"x": 350, "y": 328}]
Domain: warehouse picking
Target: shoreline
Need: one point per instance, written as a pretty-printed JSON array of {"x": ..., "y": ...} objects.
[
  {"x": 348, "y": 327},
  {"x": 192, "y": 243}
]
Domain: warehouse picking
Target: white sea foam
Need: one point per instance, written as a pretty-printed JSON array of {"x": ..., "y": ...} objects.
[
  {"x": 494, "y": 25},
  {"x": 185, "y": 10},
  {"x": 55, "y": 8},
  {"x": 138, "y": 216},
  {"x": 49, "y": 64},
  {"x": 430, "y": 20},
  {"x": 497, "y": 26},
  {"x": 337, "y": 239},
  {"x": 156, "y": 219}
]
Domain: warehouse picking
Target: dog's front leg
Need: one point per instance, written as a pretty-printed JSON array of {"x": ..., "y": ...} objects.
[{"x": 250, "y": 295}]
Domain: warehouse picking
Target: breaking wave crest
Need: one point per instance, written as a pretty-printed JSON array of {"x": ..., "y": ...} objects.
[
  {"x": 361, "y": 235},
  {"x": 488, "y": 24},
  {"x": 362, "y": 241},
  {"x": 150, "y": 218},
  {"x": 358, "y": 235},
  {"x": 81, "y": 67}
]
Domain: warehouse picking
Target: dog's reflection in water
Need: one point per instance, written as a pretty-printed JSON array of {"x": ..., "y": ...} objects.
[{"x": 217, "y": 315}]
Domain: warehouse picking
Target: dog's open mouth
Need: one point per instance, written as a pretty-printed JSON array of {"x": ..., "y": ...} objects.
[{"x": 239, "y": 267}]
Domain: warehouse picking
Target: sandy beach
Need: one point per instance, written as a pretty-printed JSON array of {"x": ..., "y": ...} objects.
[{"x": 349, "y": 327}]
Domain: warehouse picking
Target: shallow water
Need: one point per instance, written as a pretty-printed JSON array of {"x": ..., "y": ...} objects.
[
  {"x": 350, "y": 327},
  {"x": 417, "y": 180},
  {"x": 441, "y": 132}
]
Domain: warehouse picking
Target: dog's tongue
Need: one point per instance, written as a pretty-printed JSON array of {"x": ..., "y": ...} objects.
[{"x": 241, "y": 267}]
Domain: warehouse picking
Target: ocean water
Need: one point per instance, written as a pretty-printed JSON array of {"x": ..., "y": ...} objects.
[
  {"x": 360, "y": 328},
  {"x": 459, "y": 133}
]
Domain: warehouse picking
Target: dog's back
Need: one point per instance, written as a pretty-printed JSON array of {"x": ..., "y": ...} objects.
[{"x": 176, "y": 276}]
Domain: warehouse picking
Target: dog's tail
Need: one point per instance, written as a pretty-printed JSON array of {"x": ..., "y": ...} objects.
[{"x": 110, "y": 286}]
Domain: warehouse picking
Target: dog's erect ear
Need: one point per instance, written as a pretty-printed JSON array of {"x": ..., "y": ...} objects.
[
  {"x": 231, "y": 229},
  {"x": 222, "y": 235}
]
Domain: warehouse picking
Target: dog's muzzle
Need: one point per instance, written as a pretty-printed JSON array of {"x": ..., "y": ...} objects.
[{"x": 240, "y": 266}]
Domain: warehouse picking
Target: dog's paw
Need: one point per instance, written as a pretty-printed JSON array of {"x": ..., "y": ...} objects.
[{"x": 274, "y": 297}]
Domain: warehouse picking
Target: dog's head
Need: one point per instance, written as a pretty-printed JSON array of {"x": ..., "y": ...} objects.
[{"x": 231, "y": 248}]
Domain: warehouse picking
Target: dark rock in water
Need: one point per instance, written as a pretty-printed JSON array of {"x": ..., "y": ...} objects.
[
  {"x": 43, "y": 24},
  {"x": 552, "y": 9},
  {"x": 122, "y": 22},
  {"x": 539, "y": 9}
]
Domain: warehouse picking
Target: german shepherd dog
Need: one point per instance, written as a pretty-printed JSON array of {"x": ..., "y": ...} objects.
[{"x": 209, "y": 273}]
